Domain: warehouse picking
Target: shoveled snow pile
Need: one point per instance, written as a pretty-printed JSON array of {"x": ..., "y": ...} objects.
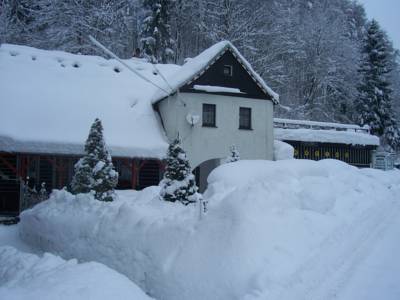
[
  {"x": 283, "y": 150},
  {"x": 274, "y": 230},
  {"x": 27, "y": 276}
]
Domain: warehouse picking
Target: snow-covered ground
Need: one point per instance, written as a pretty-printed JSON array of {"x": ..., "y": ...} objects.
[
  {"x": 28, "y": 276},
  {"x": 291, "y": 229},
  {"x": 9, "y": 236}
]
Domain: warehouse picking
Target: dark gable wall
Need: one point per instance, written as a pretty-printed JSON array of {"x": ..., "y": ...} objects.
[{"x": 241, "y": 79}]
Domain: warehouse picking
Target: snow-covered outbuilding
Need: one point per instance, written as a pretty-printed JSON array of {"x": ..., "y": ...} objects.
[
  {"x": 49, "y": 99},
  {"x": 322, "y": 140}
]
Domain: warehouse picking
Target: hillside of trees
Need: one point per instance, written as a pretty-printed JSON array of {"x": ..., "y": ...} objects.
[{"x": 312, "y": 52}]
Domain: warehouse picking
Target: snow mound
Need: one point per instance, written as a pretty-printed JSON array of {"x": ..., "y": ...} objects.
[
  {"x": 27, "y": 276},
  {"x": 266, "y": 221},
  {"x": 283, "y": 150}
]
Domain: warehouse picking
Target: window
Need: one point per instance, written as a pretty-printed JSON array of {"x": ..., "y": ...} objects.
[
  {"x": 228, "y": 70},
  {"x": 209, "y": 115},
  {"x": 244, "y": 118}
]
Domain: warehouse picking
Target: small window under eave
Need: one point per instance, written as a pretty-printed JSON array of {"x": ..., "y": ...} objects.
[{"x": 228, "y": 70}]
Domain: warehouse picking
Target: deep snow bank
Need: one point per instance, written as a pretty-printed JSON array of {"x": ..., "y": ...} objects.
[
  {"x": 27, "y": 276},
  {"x": 265, "y": 219}
]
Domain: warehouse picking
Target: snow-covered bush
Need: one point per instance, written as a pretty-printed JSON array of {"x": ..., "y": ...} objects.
[
  {"x": 178, "y": 183},
  {"x": 95, "y": 171},
  {"x": 233, "y": 155}
]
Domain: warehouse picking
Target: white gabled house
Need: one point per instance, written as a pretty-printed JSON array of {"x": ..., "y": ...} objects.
[
  {"x": 216, "y": 100},
  {"x": 49, "y": 99}
]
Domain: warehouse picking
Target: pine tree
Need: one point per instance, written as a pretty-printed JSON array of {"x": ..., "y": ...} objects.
[
  {"x": 178, "y": 183},
  {"x": 156, "y": 31},
  {"x": 233, "y": 156},
  {"x": 95, "y": 171},
  {"x": 374, "y": 103}
]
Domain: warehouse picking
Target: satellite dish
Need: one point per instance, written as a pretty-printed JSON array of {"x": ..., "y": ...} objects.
[{"x": 192, "y": 119}]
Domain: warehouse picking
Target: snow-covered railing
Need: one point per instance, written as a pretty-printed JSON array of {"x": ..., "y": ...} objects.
[{"x": 296, "y": 124}]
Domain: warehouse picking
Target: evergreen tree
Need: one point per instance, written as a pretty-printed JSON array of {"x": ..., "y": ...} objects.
[
  {"x": 95, "y": 171},
  {"x": 374, "y": 103},
  {"x": 233, "y": 156},
  {"x": 179, "y": 182},
  {"x": 156, "y": 31}
]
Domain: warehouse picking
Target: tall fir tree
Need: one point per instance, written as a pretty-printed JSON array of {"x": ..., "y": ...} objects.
[
  {"x": 156, "y": 31},
  {"x": 374, "y": 103},
  {"x": 178, "y": 183},
  {"x": 95, "y": 171}
]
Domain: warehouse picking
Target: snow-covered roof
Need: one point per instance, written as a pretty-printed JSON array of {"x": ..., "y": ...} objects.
[
  {"x": 49, "y": 99},
  {"x": 195, "y": 67},
  {"x": 323, "y": 132}
]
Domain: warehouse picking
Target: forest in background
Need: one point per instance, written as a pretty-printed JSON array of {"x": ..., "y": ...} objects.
[{"x": 308, "y": 51}]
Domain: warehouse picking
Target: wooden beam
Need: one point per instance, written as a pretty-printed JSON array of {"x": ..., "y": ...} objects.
[
  {"x": 10, "y": 166},
  {"x": 134, "y": 171}
]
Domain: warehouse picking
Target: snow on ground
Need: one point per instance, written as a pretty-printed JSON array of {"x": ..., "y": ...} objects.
[
  {"x": 27, "y": 276},
  {"x": 9, "y": 236},
  {"x": 378, "y": 276},
  {"x": 274, "y": 230}
]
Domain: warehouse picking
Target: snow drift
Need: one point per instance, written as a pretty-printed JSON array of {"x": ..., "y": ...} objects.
[
  {"x": 27, "y": 276},
  {"x": 283, "y": 150},
  {"x": 267, "y": 223}
]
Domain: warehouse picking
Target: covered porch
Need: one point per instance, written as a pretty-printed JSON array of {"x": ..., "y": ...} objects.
[{"x": 27, "y": 178}]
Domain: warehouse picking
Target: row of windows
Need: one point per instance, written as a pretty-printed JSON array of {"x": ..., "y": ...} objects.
[{"x": 209, "y": 116}]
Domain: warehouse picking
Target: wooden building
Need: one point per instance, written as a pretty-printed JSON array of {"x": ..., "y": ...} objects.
[{"x": 320, "y": 140}]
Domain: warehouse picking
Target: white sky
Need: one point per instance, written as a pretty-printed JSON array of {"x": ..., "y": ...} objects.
[{"x": 387, "y": 13}]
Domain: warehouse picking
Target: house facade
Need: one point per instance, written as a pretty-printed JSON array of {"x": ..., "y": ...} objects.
[{"x": 223, "y": 103}]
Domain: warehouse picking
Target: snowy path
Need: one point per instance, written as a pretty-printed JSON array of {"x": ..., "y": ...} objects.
[
  {"x": 364, "y": 266},
  {"x": 377, "y": 277}
]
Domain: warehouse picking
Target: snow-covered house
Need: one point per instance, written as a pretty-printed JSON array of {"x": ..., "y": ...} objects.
[
  {"x": 322, "y": 140},
  {"x": 49, "y": 99}
]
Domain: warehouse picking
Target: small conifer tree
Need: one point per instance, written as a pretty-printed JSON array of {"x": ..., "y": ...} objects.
[
  {"x": 233, "y": 156},
  {"x": 178, "y": 183},
  {"x": 95, "y": 171}
]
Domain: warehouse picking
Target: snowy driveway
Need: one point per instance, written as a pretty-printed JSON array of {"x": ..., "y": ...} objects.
[{"x": 377, "y": 277}]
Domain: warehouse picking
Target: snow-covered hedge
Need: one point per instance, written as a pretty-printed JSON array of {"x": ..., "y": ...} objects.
[
  {"x": 27, "y": 276},
  {"x": 267, "y": 221}
]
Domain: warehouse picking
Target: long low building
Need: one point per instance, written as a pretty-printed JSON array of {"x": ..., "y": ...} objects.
[{"x": 321, "y": 140}]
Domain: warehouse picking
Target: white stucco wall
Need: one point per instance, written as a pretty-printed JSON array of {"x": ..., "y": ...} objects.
[{"x": 204, "y": 143}]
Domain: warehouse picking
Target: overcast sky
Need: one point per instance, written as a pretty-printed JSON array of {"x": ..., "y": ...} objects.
[{"x": 387, "y": 13}]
